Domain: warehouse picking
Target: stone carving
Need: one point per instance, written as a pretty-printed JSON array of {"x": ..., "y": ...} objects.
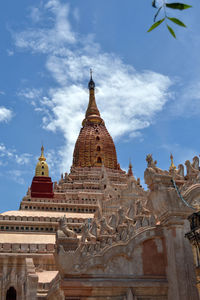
[
  {"x": 102, "y": 233},
  {"x": 180, "y": 170},
  {"x": 195, "y": 163},
  {"x": 191, "y": 170},
  {"x": 141, "y": 210},
  {"x": 105, "y": 228},
  {"x": 151, "y": 165},
  {"x": 157, "y": 179},
  {"x": 122, "y": 218},
  {"x": 65, "y": 229},
  {"x": 113, "y": 221},
  {"x": 150, "y": 162}
]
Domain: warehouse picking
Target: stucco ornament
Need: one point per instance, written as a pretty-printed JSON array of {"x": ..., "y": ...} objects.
[{"x": 103, "y": 236}]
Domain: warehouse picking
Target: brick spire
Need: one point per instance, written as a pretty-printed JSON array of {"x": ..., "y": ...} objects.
[
  {"x": 94, "y": 146},
  {"x": 92, "y": 113}
]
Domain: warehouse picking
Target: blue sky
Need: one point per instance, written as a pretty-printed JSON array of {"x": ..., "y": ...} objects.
[{"x": 148, "y": 85}]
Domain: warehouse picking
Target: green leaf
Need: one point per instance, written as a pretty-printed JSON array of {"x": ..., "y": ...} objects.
[
  {"x": 171, "y": 31},
  {"x": 154, "y": 19},
  {"x": 155, "y": 25},
  {"x": 177, "y": 21},
  {"x": 180, "y": 6}
]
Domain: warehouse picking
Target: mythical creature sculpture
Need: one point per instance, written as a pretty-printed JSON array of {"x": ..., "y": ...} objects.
[
  {"x": 191, "y": 171},
  {"x": 151, "y": 165},
  {"x": 122, "y": 218},
  {"x": 195, "y": 163},
  {"x": 92, "y": 232},
  {"x": 65, "y": 229},
  {"x": 113, "y": 222},
  {"x": 141, "y": 210},
  {"x": 105, "y": 228},
  {"x": 150, "y": 162},
  {"x": 180, "y": 170},
  {"x": 84, "y": 232}
]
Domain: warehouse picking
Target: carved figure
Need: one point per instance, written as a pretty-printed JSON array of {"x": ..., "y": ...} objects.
[
  {"x": 152, "y": 165},
  {"x": 180, "y": 170},
  {"x": 113, "y": 221},
  {"x": 84, "y": 233},
  {"x": 122, "y": 218},
  {"x": 150, "y": 162},
  {"x": 92, "y": 233},
  {"x": 190, "y": 169},
  {"x": 195, "y": 163},
  {"x": 65, "y": 229},
  {"x": 105, "y": 228},
  {"x": 131, "y": 211},
  {"x": 141, "y": 210}
]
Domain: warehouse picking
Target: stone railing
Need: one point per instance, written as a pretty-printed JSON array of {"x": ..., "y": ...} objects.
[
  {"x": 26, "y": 248},
  {"x": 38, "y": 219}
]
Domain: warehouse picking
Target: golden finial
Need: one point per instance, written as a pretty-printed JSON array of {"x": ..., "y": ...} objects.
[
  {"x": 172, "y": 166},
  {"x": 42, "y": 167},
  {"x": 42, "y": 158}
]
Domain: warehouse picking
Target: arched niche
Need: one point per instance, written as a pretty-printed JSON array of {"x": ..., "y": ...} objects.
[
  {"x": 11, "y": 294},
  {"x": 99, "y": 160}
]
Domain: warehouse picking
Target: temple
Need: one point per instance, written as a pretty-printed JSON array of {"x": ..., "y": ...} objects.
[{"x": 97, "y": 234}]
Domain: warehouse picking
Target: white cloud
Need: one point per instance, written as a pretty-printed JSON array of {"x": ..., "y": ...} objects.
[
  {"x": 190, "y": 100},
  {"x": 10, "y": 52},
  {"x": 35, "y": 14},
  {"x": 16, "y": 175},
  {"x": 10, "y": 154},
  {"x": 30, "y": 93},
  {"x": 128, "y": 100},
  {"x": 5, "y": 114},
  {"x": 49, "y": 40},
  {"x": 76, "y": 14}
]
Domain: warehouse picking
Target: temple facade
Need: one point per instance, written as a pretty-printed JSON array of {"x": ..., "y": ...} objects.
[{"x": 96, "y": 233}]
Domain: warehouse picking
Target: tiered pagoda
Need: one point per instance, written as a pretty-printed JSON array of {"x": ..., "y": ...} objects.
[{"x": 96, "y": 234}]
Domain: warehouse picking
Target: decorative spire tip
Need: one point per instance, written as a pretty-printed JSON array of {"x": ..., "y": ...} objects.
[
  {"x": 172, "y": 166},
  {"x": 91, "y": 84}
]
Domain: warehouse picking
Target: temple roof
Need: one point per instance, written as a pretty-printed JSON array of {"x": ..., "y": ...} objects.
[
  {"x": 27, "y": 238},
  {"x": 30, "y": 213}
]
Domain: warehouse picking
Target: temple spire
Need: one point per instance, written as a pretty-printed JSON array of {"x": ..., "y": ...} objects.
[
  {"x": 92, "y": 113},
  {"x": 42, "y": 168},
  {"x": 42, "y": 158},
  {"x": 94, "y": 146},
  {"x": 130, "y": 172}
]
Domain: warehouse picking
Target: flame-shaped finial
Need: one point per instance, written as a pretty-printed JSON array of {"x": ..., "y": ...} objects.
[{"x": 172, "y": 166}]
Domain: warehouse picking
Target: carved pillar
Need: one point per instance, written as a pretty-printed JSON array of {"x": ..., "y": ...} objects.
[
  {"x": 180, "y": 270},
  {"x": 173, "y": 213},
  {"x": 32, "y": 280}
]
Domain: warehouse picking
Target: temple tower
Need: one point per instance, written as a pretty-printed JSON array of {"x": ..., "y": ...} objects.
[
  {"x": 42, "y": 186},
  {"x": 94, "y": 146}
]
